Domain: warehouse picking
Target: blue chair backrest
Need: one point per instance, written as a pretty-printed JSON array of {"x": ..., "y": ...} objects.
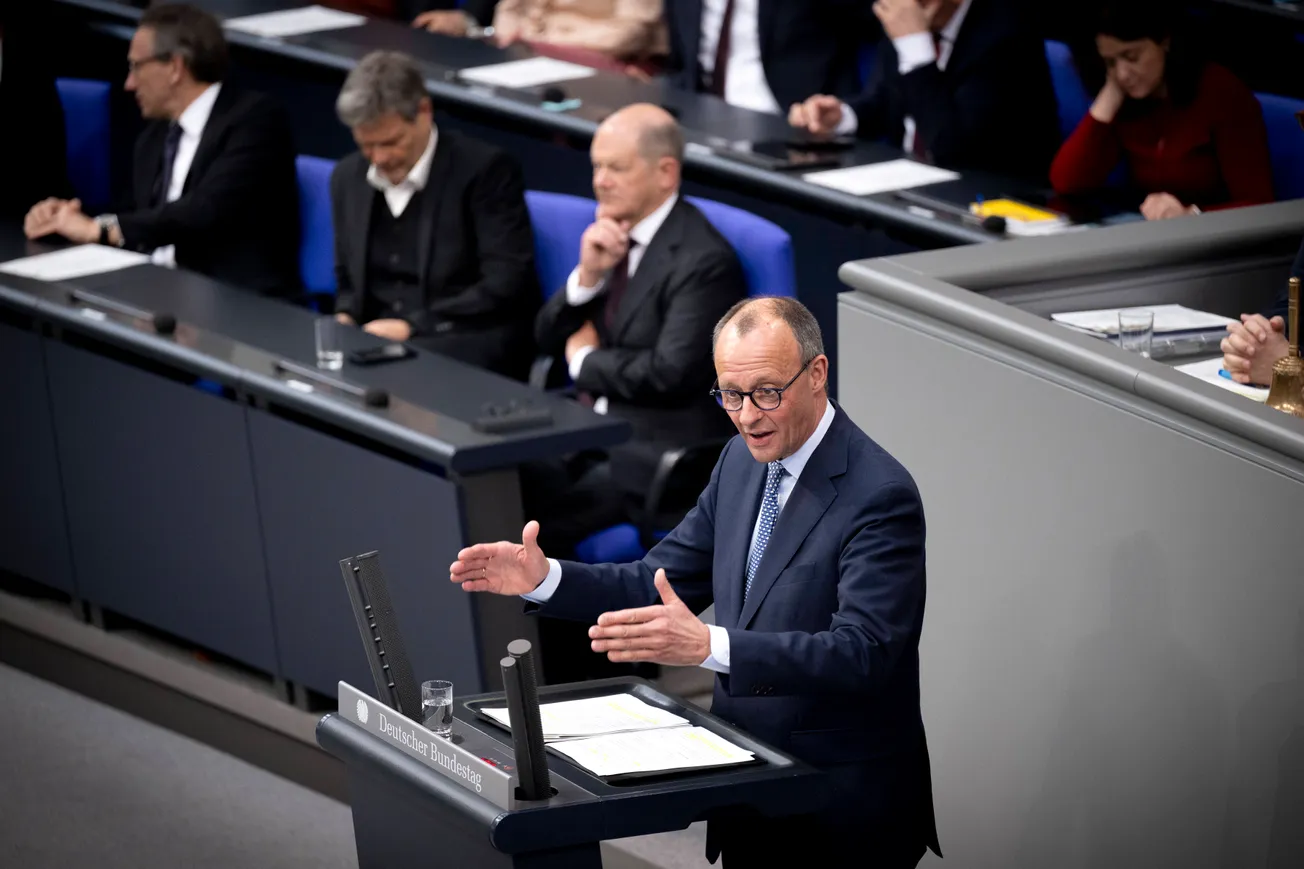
[
  {"x": 763, "y": 247},
  {"x": 1285, "y": 144},
  {"x": 1070, "y": 95},
  {"x": 86, "y": 117},
  {"x": 559, "y": 220},
  {"x": 316, "y": 234}
]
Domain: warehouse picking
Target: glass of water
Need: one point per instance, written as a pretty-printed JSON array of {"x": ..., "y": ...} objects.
[
  {"x": 330, "y": 352},
  {"x": 437, "y": 707},
  {"x": 1136, "y": 330}
]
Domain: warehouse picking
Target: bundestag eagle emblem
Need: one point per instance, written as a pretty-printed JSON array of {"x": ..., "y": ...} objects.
[{"x": 362, "y": 711}]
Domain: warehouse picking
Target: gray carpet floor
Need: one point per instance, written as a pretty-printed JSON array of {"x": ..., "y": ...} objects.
[{"x": 84, "y": 784}]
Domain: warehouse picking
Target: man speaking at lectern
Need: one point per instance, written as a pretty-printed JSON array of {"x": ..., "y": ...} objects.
[{"x": 809, "y": 539}]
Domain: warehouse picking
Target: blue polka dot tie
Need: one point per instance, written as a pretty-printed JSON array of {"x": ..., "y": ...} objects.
[{"x": 774, "y": 474}]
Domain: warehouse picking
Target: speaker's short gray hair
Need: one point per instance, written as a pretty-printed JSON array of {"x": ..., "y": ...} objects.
[
  {"x": 382, "y": 82},
  {"x": 750, "y": 313}
]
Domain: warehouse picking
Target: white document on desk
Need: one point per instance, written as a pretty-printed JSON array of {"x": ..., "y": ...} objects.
[
  {"x": 526, "y": 73},
  {"x": 649, "y": 751},
  {"x": 294, "y": 22},
  {"x": 73, "y": 262},
  {"x": 881, "y": 177},
  {"x": 1208, "y": 372},
  {"x": 594, "y": 716},
  {"x": 1168, "y": 318}
]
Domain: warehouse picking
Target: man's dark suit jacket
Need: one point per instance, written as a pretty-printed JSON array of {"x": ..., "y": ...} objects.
[
  {"x": 807, "y": 46},
  {"x": 237, "y": 219},
  {"x": 654, "y": 364},
  {"x": 33, "y": 143},
  {"x": 477, "y": 263},
  {"x": 824, "y": 654},
  {"x": 993, "y": 108}
]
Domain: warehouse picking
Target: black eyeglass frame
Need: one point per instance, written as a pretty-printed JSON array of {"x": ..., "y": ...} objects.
[
  {"x": 133, "y": 66},
  {"x": 719, "y": 394}
]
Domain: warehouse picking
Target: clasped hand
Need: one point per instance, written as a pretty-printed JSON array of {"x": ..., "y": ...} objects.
[
  {"x": 666, "y": 633},
  {"x": 60, "y": 217}
]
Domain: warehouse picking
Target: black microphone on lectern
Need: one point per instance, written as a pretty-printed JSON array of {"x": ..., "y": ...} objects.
[
  {"x": 164, "y": 324},
  {"x": 521, "y": 684}
]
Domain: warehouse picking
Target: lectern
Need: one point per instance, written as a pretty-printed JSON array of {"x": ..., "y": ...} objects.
[{"x": 421, "y": 801}]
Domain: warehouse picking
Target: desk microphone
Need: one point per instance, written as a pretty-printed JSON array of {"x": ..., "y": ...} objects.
[
  {"x": 993, "y": 223},
  {"x": 371, "y": 396},
  {"x": 521, "y": 685},
  {"x": 555, "y": 100},
  {"x": 164, "y": 324}
]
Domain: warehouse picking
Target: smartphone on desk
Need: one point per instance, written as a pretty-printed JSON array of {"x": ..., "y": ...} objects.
[
  {"x": 785, "y": 156},
  {"x": 391, "y": 352}
]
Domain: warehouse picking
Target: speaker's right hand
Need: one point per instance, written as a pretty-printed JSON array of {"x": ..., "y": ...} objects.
[{"x": 503, "y": 567}]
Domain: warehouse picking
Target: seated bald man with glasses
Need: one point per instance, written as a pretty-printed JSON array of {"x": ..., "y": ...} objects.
[{"x": 809, "y": 540}]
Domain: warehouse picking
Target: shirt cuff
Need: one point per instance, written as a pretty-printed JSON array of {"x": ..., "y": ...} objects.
[
  {"x": 548, "y": 587},
  {"x": 718, "y": 660},
  {"x": 577, "y": 295},
  {"x": 577, "y": 361},
  {"x": 913, "y": 51},
  {"x": 849, "y": 123}
]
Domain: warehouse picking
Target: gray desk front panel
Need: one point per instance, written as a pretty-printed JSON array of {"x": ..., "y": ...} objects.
[
  {"x": 161, "y": 507},
  {"x": 1113, "y": 654},
  {"x": 324, "y": 499},
  {"x": 33, "y": 531}
]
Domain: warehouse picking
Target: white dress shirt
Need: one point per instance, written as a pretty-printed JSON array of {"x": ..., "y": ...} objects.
[
  {"x": 744, "y": 78},
  {"x": 641, "y": 235},
  {"x": 192, "y": 123},
  {"x": 397, "y": 196},
  {"x": 794, "y": 464},
  {"x": 913, "y": 51}
]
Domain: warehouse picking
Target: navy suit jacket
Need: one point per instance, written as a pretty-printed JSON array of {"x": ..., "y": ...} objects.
[{"x": 824, "y": 653}]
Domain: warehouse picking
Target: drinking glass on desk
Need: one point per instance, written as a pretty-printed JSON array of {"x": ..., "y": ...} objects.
[
  {"x": 437, "y": 707},
  {"x": 1136, "y": 330},
  {"x": 330, "y": 353}
]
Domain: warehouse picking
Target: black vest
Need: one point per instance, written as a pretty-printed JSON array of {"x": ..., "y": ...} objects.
[{"x": 394, "y": 260}]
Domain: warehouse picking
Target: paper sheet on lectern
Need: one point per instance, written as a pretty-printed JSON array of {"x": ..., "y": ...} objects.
[
  {"x": 591, "y": 716},
  {"x": 294, "y": 22},
  {"x": 649, "y": 751},
  {"x": 73, "y": 262}
]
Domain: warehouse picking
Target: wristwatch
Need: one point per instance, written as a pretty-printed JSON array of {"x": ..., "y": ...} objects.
[{"x": 109, "y": 222}]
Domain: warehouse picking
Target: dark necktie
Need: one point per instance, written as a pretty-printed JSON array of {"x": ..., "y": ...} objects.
[
  {"x": 918, "y": 149},
  {"x": 170, "y": 145},
  {"x": 617, "y": 283},
  {"x": 774, "y": 474},
  {"x": 722, "y": 52}
]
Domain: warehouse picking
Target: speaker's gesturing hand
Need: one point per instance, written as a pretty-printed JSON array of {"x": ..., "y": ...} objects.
[
  {"x": 503, "y": 567},
  {"x": 667, "y": 633}
]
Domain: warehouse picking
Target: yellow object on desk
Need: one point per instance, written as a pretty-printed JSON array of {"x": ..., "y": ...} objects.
[{"x": 1011, "y": 209}]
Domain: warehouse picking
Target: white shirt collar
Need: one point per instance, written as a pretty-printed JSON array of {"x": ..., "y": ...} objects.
[
  {"x": 796, "y": 462},
  {"x": 952, "y": 28},
  {"x": 417, "y": 176},
  {"x": 646, "y": 229},
  {"x": 195, "y": 116}
]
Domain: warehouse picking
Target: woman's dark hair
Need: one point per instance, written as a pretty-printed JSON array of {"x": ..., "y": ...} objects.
[
  {"x": 189, "y": 33},
  {"x": 1155, "y": 20}
]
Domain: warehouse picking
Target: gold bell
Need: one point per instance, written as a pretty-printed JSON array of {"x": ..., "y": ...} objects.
[{"x": 1287, "y": 392}]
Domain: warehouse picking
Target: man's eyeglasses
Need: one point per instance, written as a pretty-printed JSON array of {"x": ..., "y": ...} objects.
[
  {"x": 764, "y": 397},
  {"x": 133, "y": 66}
]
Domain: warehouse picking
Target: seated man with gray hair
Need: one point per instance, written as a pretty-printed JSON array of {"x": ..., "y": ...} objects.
[{"x": 432, "y": 237}]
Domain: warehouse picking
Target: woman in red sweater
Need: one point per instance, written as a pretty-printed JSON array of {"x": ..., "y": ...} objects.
[{"x": 1191, "y": 133}]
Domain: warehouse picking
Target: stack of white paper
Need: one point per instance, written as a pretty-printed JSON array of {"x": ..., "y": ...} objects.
[
  {"x": 1168, "y": 318},
  {"x": 594, "y": 716},
  {"x": 651, "y": 751},
  {"x": 73, "y": 262},
  {"x": 526, "y": 73},
  {"x": 1208, "y": 371},
  {"x": 881, "y": 177},
  {"x": 294, "y": 22}
]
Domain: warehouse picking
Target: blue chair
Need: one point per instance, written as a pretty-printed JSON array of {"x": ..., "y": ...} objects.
[
  {"x": 1285, "y": 144},
  {"x": 316, "y": 234},
  {"x": 559, "y": 220},
  {"x": 763, "y": 247},
  {"x": 86, "y": 118},
  {"x": 1070, "y": 95}
]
